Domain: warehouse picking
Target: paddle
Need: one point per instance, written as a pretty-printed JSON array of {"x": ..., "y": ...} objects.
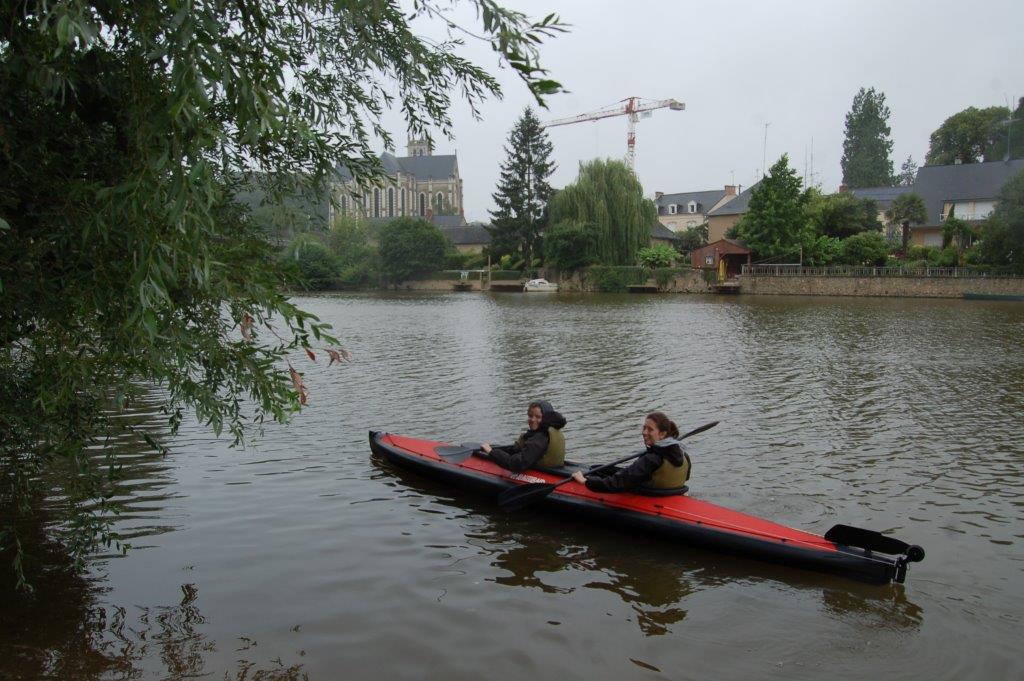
[
  {"x": 871, "y": 540},
  {"x": 457, "y": 453},
  {"x": 516, "y": 498}
]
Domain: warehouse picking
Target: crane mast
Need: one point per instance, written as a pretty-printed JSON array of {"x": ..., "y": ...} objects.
[{"x": 631, "y": 107}]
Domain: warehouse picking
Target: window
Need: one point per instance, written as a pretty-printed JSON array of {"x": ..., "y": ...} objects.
[
  {"x": 709, "y": 260},
  {"x": 671, "y": 209},
  {"x": 423, "y": 204},
  {"x": 344, "y": 205},
  {"x": 403, "y": 201},
  {"x": 693, "y": 206},
  {"x": 376, "y": 203},
  {"x": 391, "y": 202}
]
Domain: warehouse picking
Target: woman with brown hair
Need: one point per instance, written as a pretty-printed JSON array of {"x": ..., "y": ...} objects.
[
  {"x": 665, "y": 464},
  {"x": 541, "y": 445}
]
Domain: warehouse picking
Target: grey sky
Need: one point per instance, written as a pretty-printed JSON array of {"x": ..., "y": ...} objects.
[{"x": 738, "y": 65}]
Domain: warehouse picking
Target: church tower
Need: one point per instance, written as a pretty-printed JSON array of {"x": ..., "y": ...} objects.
[{"x": 420, "y": 147}]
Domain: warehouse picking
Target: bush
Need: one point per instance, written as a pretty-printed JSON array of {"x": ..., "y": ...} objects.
[
  {"x": 947, "y": 257},
  {"x": 454, "y": 260},
  {"x": 922, "y": 253},
  {"x": 410, "y": 247},
  {"x": 317, "y": 267},
  {"x": 653, "y": 257},
  {"x": 569, "y": 246},
  {"x": 612, "y": 279},
  {"x": 365, "y": 273},
  {"x": 866, "y": 248},
  {"x": 506, "y": 274},
  {"x": 824, "y": 251}
]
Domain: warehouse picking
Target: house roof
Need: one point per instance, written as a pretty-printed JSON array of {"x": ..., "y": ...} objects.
[
  {"x": 739, "y": 205},
  {"x": 468, "y": 235},
  {"x": 705, "y": 200},
  {"x": 660, "y": 231},
  {"x": 724, "y": 246},
  {"x": 883, "y": 196},
  {"x": 962, "y": 182}
]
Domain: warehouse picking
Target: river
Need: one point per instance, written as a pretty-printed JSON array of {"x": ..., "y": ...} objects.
[{"x": 303, "y": 556}]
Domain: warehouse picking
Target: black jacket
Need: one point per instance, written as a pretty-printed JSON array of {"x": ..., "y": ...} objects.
[
  {"x": 530, "y": 447},
  {"x": 639, "y": 471}
]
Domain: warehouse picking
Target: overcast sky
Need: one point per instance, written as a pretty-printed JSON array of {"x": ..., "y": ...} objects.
[{"x": 736, "y": 66}]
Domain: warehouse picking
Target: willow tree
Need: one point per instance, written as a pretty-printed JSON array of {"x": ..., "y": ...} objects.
[
  {"x": 608, "y": 198},
  {"x": 126, "y": 131}
]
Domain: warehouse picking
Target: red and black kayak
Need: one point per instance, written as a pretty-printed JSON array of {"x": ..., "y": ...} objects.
[{"x": 851, "y": 552}]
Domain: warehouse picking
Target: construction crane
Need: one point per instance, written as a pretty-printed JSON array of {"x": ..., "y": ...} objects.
[{"x": 631, "y": 107}]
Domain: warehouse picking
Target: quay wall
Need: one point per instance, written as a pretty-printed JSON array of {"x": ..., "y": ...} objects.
[{"x": 905, "y": 287}]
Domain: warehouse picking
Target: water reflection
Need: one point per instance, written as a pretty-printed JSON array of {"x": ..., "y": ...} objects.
[
  {"x": 653, "y": 577},
  {"x": 83, "y": 640}
]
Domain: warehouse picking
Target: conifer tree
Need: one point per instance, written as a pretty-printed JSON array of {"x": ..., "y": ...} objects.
[
  {"x": 908, "y": 173},
  {"x": 775, "y": 225},
  {"x": 523, "y": 190},
  {"x": 867, "y": 145}
]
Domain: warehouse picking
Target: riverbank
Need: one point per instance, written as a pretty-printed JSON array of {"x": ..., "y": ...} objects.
[{"x": 860, "y": 282}]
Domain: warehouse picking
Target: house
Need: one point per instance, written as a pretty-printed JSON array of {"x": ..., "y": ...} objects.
[
  {"x": 964, "y": 190},
  {"x": 725, "y": 256},
  {"x": 472, "y": 238},
  {"x": 418, "y": 185},
  {"x": 727, "y": 215},
  {"x": 660, "y": 234},
  {"x": 684, "y": 210},
  {"x": 883, "y": 198}
]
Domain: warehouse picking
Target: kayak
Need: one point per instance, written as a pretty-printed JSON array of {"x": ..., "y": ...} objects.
[{"x": 850, "y": 552}]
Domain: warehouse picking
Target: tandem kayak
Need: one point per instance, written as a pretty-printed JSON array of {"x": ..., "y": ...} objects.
[{"x": 850, "y": 552}]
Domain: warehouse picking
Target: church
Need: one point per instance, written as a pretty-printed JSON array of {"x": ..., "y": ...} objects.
[{"x": 421, "y": 185}]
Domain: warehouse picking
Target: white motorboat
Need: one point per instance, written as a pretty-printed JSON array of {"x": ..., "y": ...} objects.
[{"x": 539, "y": 285}]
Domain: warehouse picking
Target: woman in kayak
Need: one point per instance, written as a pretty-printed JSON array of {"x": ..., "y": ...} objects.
[
  {"x": 542, "y": 445},
  {"x": 665, "y": 465}
]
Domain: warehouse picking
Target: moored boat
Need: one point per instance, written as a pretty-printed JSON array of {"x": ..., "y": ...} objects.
[
  {"x": 542, "y": 285},
  {"x": 858, "y": 554}
]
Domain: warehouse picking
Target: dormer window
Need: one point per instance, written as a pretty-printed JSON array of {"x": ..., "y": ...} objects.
[
  {"x": 692, "y": 206},
  {"x": 671, "y": 209}
]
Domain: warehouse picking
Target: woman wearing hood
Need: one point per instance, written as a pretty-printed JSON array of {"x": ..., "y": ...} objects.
[
  {"x": 665, "y": 465},
  {"x": 541, "y": 445}
]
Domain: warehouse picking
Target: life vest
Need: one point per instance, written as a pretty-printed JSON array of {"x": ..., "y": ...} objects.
[
  {"x": 670, "y": 476},
  {"x": 554, "y": 455}
]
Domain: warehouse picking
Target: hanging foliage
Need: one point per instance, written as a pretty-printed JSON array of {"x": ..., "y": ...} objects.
[{"x": 608, "y": 195}]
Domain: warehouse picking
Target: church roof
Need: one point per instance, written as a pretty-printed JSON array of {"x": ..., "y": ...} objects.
[{"x": 423, "y": 168}]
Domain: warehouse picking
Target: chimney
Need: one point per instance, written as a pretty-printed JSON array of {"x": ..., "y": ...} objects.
[
  {"x": 658, "y": 195},
  {"x": 730, "y": 190}
]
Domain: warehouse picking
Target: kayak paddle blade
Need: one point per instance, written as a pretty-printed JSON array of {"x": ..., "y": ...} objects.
[
  {"x": 521, "y": 496},
  {"x": 869, "y": 540},
  {"x": 457, "y": 453}
]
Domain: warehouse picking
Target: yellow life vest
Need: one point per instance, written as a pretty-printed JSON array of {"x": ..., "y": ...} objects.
[
  {"x": 554, "y": 455},
  {"x": 669, "y": 475}
]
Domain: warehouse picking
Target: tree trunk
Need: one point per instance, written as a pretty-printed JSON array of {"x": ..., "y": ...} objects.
[{"x": 906, "y": 238}]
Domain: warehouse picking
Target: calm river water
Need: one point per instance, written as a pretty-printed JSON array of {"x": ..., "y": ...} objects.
[{"x": 302, "y": 555}]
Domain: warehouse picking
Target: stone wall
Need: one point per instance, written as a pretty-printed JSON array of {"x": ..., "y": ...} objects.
[
  {"x": 909, "y": 287},
  {"x": 438, "y": 285},
  {"x": 685, "y": 281}
]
